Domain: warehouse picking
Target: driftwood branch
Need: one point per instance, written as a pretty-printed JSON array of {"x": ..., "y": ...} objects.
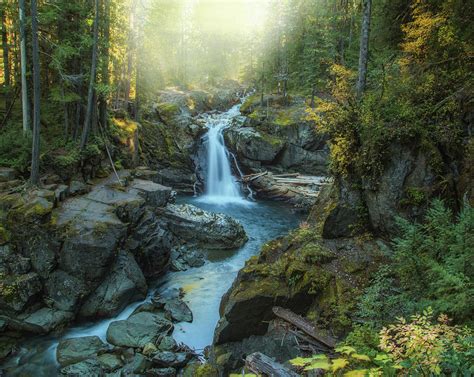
[
  {"x": 259, "y": 363},
  {"x": 304, "y": 326},
  {"x": 252, "y": 177}
]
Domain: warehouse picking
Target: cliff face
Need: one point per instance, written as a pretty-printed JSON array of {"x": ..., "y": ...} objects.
[
  {"x": 320, "y": 270},
  {"x": 277, "y": 137}
]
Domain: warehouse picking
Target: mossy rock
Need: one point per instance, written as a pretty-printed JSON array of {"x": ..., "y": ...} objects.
[
  {"x": 4, "y": 236},
  {"x": 167, "y": 110},
  {"x": 200, "y": 370}
]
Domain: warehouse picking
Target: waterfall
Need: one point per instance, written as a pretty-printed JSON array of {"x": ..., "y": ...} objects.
[{"x": 221, "y": 186}]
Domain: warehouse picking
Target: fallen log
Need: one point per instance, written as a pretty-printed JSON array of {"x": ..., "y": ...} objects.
[
  {"x": 252, "y": 177},
  {"x": 259, "y": 363},
  {"x": 304, "y": 325},
  {"x": 288, "y": 175}
]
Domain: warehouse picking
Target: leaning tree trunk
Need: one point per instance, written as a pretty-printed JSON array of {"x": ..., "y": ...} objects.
[
  {"x": 36, "y": 96},
  {"x": 24, "y": 83},
  {"x": 90, "y": 94},
  {"x": 6, "y": 61},
  {"x": 364, "y": 48}
]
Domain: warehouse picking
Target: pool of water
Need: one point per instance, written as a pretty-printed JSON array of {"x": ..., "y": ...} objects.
[{"x": 203, "y": 286}]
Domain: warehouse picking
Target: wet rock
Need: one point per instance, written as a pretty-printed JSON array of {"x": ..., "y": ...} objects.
[
  {"x": 150, "y": 244},
  {"x": 49, "y": 319},
  {"x": 149, "y": 349},
  {"x": 7, "y": 174},
  {"x": 124, "y": 283},
  {"x": 206, "y": 229},
  {"x": 65, "y": 290},
  {"x": 19, "y": 291},
  {"x": 179, "y": 179},
  {"x": 74, "y": 350},
  {"x": 89, "y": 368},
  {"x": 78, "y": 188},
  {"x": 110, "y": 362},
  {"x": 155, "y": 195},
  {"x": 167, "y": 343},
  {"x": 138, "y": 330},
  {"x": 138, "y": 365},
  {"x": 254, "y": 145},
  {"x": 178, "y": 310},
  {"x": 177, "y": 265},
  {"x": 92, "y": 233},
  {"x": 161, "y": 372},
  {"x": 170, "y": 359},
  {"x": 61, "y": 193}
]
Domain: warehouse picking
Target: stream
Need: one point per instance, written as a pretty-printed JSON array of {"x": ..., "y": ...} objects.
[{"x": 203, "y": 286}]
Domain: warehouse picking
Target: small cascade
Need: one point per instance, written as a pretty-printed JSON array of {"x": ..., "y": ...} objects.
[{"x": 221, "y": 186}]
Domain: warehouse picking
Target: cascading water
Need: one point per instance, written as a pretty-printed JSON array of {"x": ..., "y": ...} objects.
[{"x": 221, "y": 186}]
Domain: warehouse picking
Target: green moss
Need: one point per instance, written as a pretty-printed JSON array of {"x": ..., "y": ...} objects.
[
  {"x": 273, "y": 140},
  {"x": 286, "y": 117},
  {"x": 167, "y": 110},
  {"x": 414, "y": 196},
  {"x": 249, "y": 102},
  {"x": 4, "y": 236},
  {"x": 8, "y": 287},
  {"x": 206, "y": 370}
]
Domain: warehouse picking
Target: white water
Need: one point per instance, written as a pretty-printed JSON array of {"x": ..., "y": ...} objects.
[{"x": 221, "y": 186}]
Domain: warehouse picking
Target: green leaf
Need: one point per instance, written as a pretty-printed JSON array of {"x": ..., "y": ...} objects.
[
  {"x": 300, "y": 361},
  {"x": 356, "y": 373},
  {"x": 320, "y": 364},
  {"x": 360, "y": 357},
  {"x": 339, "y": 364},
  {"x": 346, "y": 350}
]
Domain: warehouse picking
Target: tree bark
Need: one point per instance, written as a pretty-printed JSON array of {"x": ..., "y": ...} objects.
[
  {"x": 364, "y": 48},
  {"x": 36, "y": 96},
  {"x": 90, "y": 95},
  {"x": 303, "y": 325},
  {"x": 24, "y": 83},
  {"x": 6, "y": 61},
  {"x": 259, "y": 363}
]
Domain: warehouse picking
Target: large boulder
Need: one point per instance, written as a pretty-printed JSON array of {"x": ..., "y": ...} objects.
[
  {"x": 205, "y": 229},
  {"x": 138, "y": 330},
  {"x": 65, "y": 290},
  {"x": 49, "y": 319},
  {"x": 74, "y": 350},
  {"x": 254, "y": 145},
  {"x": 90, "y": 368},
  {"x": 19, "y": 292},
  {"x": 124, "y": 283},
  {"x": 150, "y": 243},
  {"x": 91, "y": 234}
]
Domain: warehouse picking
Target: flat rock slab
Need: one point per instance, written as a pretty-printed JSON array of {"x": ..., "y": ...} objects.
[
  {"x": 154, "y": 194},
  {"x": 49, "y": 319},
  {"x": 74, "y": 350},
  {"x": 206, "y": 229},
  {"x": 138, "y": 330}
]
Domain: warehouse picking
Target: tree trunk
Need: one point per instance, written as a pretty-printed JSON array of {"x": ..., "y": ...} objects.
[
  {"x": 105, "y": 66},
  {"x": 24, "y": 83},
  {"x": 364, "y": 48},
  {"x": 6, "y": 61},
  {"x": 36, "y": 96},
  {"x": 90, "y": 95}
]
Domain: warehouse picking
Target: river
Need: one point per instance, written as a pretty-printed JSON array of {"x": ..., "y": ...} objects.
[{"x": 203, "y": 286}]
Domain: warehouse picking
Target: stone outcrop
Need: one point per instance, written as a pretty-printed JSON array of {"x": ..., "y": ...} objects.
[
  {"x": 91, "y": 255},
  {"x": 170, "y": 132},
  {"x": 277, "y": 138},
  {"x": 202, "y": 228},
  {"x": 302, "y": 272}
]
